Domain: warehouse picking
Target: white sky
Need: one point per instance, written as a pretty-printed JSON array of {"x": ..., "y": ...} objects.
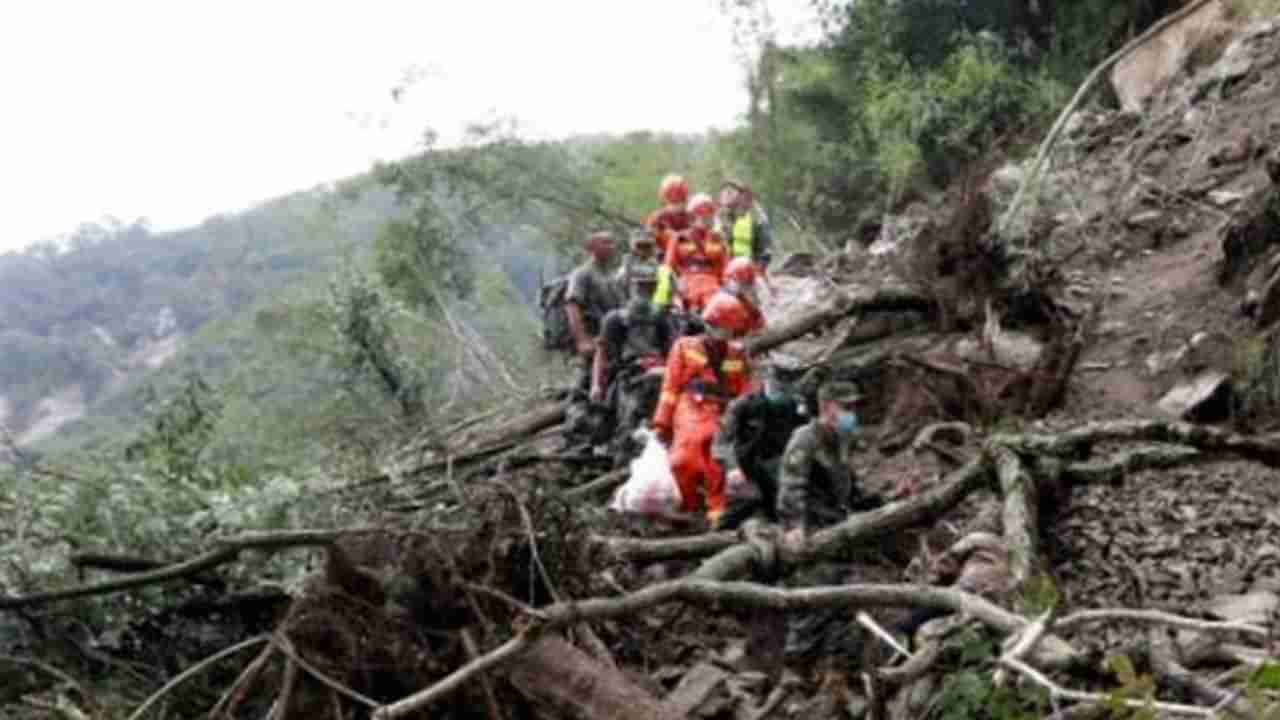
[{"x": 178, "y": 109}]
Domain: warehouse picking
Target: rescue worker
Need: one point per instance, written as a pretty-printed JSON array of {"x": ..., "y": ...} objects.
[
  {"x": 695, "y": 259},
  {"x": 753, "y": 435},
  {"x": 672, "y": 215},
  {"x": 627, "y": 374},
  {"x": 817, "y": 489},
  {"x": 745, "y": 225},
  {"x": 638, "y": 273},
  {"x": 590, "y": 295},
  {"x": 670, "y": 219},
  {"x": 740, "y": 281},
  {"x": 704, "y": 373}
]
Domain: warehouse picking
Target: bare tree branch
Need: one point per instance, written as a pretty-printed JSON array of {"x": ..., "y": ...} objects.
[
  {"x": 455, "y": 679},
  {"x": 195, "y": 670},
  {"x": 228, "y": 551},
  {"x": 1260, "y": 448}
]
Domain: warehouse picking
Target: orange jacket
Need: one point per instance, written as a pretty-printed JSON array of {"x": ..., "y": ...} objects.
[
  {"x": 698, "y": 251},
  {"x": 691, "y": 392},
  {"x": 666, "y": 222}
]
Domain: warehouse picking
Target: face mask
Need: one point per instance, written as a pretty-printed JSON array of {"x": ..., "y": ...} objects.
[{"x": 846, "y": 422}]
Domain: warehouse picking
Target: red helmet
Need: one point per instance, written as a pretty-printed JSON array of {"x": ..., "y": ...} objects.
[
  {"x": 742, "y": 270},
  {"x": 701, "y": 205},
  {"x": 727, "y": 312},
  {"x": 673, "y": 189}
]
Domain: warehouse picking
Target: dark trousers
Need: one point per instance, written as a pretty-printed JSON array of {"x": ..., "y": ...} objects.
[{"x": 764, "y": 477}]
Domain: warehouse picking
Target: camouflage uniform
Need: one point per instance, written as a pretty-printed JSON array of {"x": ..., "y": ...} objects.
[
  {"x": 595, "y": 294},
  {"x": 816, "y": 489},
  {"x": 635, "y": 341},
  {"x": 636, "y": 273}
]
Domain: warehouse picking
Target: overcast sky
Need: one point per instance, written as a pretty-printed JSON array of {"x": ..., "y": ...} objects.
[{"x": 175, "y": 110}]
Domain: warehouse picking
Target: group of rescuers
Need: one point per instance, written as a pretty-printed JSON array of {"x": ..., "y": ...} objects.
[{"x": 670, "y": 323}]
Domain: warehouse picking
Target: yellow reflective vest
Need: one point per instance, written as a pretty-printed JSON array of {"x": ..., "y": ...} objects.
[{"x": 743, "y": 236}]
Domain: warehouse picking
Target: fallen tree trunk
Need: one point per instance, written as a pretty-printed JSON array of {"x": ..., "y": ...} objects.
[
  {"x": 1019, "y": 516},
  {"x": 1079, "y": 441},
  {"x": 641, "y": 550},
  {"x": 841, "y": 305},
  {"x": 902, "y": 514},
  {"x": 555, "y": 672},
  {"x": 1114, "y": 469}
]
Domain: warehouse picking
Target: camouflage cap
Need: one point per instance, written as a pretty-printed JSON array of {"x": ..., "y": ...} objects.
[
  {"x": 642, "y": 238},
  {"x": 844, "y": 393}
]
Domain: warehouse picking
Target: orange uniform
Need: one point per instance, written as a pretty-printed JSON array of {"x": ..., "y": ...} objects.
[
  {"x": 665, "y": 223},
  {"x": 698, "y": 257},
  {"x": 689, "y": 410}
]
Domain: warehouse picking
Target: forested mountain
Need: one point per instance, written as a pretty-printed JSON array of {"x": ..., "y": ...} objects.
[
  {"x": 79, "y": 322},
  {"x": 99, "y": 329}
]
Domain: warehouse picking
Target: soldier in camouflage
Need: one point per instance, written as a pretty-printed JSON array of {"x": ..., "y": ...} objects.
[{"x": 817, "y": 489}]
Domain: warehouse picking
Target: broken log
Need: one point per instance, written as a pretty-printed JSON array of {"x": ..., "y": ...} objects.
[
  {"x": 1260, "y": 448},
  {"x": 600, "y": 485},
  {"x": 555, "y": 672},
  {"x": 1114, "y": 469},
  {"x": 841, "y": 305},
  {"x": 642, "y": 550},
  {"x": 1021, "y": 529},
  {"x": 902, "y": 514}
]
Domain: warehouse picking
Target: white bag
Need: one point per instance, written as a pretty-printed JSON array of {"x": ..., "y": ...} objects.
[{"x": 651, "y": 489}]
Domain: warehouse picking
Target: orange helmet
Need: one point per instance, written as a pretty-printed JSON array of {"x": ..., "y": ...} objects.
[
  {"x": 742, "y": 270},
  {"x": 727, "y": 312},
  {"x": 673, "y": 189},
  {"x": 702, "y": 206}
]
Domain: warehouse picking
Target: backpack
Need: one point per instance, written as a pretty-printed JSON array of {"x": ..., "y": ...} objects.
[{"x": 556, "y": 333}]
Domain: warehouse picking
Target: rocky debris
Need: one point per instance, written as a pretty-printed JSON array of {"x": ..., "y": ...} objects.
[
  {"x": 1008, "y": 348},
  {"x": 1258, "y": 607},
  {"x": 1205, "y": 399},
  {"x": 695, "y": 689},
  {"x": 798, "y": 263},
  {"x": 1169, "y": 539},
  {"x": 1204, "y": 351}
]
